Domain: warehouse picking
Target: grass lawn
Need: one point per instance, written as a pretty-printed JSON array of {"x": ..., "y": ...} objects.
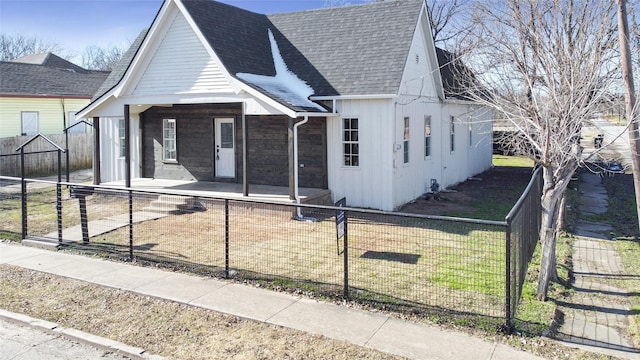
[
  {"x": 394, "y": 263},
  {"x": 512, "y": 161}
]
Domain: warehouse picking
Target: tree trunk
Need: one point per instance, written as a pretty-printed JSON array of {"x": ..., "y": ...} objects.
[
  {"x": 548, "y": 241},
  {"x": 630, "y": 99},
  {"x": 562, "y": 212},
  {"x": 552, "y": 192}
]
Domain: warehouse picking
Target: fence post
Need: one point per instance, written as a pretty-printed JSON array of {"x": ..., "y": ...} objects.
[
  {"x": 226, "y": 238},
  {"x": 59, "y": 198},
  {"x": 346, "y": 257},
  {"x": 508, "y": 320},
  {"x": 130, "y": 224},
  {"x": 24, "y": 194}
]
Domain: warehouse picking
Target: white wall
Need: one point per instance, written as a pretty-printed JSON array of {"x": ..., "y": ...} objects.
[
  {"x": 112, "y": 166},
  {"x": 412, "y": 179},
  {"x": 178, "y": 63},
  {"x": 368, "y": 185}
]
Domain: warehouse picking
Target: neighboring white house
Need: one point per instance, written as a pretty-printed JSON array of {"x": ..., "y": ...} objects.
[{"x": 359, "y": 88}]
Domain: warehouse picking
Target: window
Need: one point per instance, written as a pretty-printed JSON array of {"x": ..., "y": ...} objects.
[
  {"x": 427, "y": 136},
  {"x": 452, "y": 132},
  {"x": 406, "y": 140},
  {"x": 30, "y": 124},
  {"x": 470, "y": 135},
  {"x": 350, "y": 142},
  {"x": 170, "y": 152},
  {"x": 78, "y": 129},
  {"x": 121, "y": 135}
]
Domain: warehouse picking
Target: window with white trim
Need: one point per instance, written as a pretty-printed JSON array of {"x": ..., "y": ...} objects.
[
  {"x": 452, "y": 133},
  {"x": 122, "y": 136},
  {"x": 170, "y": 150},
  {"x": 427, "y": 136},
  {"x": 30, "y": 123},
  {"x": 406, "y": 139},
  {"x": 350, "y": 142},
  {"x": 470, "y": 135}
]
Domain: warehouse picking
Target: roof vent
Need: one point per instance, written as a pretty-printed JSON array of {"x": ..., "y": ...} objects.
[{"x": 417, "y": 58}]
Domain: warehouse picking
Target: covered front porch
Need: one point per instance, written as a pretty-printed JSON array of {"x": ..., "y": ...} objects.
[{"x": 228, "y": 190}]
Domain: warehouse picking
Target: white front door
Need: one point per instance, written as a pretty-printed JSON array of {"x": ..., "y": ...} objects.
[{"x": 225, "y": 159}]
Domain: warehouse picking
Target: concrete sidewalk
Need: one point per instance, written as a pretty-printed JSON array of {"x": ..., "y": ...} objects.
[
  {"x": 596, "y": 316},
  {"x": 373, "y": 330}
]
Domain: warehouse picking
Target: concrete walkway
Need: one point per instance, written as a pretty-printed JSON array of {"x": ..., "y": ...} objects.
[
  {"x": 373, "y": 330},
  {"x": 597, "y": 315}
]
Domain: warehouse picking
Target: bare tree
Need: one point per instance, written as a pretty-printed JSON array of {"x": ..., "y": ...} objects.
[
  {"x": 102, "y": 58},
  {"x": 544, "y": 67},
  {"x": 449, "y": 20},
  {"x": 18, "y": 45}
]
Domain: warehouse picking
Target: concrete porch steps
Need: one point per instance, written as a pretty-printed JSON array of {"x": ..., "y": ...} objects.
[{"x": 174, "y": 204}]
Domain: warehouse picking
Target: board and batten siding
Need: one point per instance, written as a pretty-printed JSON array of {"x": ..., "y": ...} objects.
[
  {"x": 369, "y": 184},
  {"x": 180, "y": 64},
  {"x": 112, "y": 165},
  {"x": 51, "y": 113},
  {"x": 413, "y": 179}
]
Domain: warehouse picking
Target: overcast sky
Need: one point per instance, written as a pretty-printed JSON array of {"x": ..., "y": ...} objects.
[{"x": 75, "y": 24}]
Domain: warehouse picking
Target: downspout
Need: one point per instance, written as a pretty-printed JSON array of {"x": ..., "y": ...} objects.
[{"x": 295, "y": 161}]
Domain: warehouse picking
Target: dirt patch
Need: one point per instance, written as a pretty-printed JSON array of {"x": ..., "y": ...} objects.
[
  {"x": 499, "y": 184},
  {"x": 162, "y": 327}
]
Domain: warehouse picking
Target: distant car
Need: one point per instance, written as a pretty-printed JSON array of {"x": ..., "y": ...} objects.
[
  {"x": 598, "y": 140},
  {"x": 615, "y": 167}
]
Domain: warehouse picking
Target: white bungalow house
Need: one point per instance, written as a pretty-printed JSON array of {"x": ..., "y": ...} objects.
[{"x": 350, "y": 99}]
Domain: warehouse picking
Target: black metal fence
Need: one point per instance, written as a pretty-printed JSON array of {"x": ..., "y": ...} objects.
[{"x": 471, "y": 270}]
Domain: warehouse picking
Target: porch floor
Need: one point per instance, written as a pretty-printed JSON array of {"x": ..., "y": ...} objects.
[{"x": 228, "y": 190}]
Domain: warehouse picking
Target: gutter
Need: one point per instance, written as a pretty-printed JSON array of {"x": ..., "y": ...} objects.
[
  {"x": 296, "y": 165},
  {"x": 355, "y": 97}
]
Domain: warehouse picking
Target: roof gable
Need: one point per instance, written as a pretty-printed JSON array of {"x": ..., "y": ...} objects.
[
  {"x": 194, "y": 70},
  {"x": 351, "y": 50}
]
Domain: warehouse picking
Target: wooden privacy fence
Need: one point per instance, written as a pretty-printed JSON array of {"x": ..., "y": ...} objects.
[{"x": 43, "y": 162}]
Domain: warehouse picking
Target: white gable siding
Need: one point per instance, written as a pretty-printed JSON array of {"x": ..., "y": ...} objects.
[
  {"x": 420, "y": 74},
  {"x": 369, "y": 184},
  {"x": 181, "y": 64},
  {"x": 418, "y": 97}
]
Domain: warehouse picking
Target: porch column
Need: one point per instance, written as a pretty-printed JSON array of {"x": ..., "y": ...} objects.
[
  {"x": 127, "y": 146},
  {"x": 96, "y": 151},
  {"x": 245, "y": 146},
  {"x": 292, "y": 165}
]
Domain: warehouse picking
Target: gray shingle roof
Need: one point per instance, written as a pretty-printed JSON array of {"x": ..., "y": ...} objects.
[
  {"x": 349, "y": 50},
  {"x": 31, "y": 79},
  {"x": 355, "y": 50},
  {"x": 49, "y": 60}
]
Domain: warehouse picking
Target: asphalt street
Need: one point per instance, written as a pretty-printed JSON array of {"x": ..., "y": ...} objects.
[
  {"x": 615, "y": 144},
  {"x": 19, "y": 342}
]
